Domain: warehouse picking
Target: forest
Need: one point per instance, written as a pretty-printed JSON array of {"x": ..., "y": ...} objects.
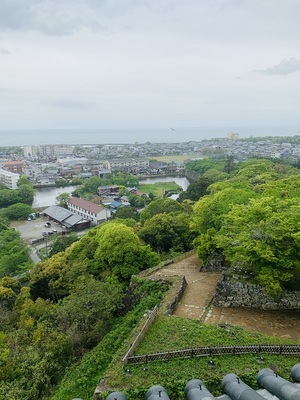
[{"x": 245, "y": 212}]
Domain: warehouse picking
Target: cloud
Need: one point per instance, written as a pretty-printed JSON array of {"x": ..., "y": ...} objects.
[
  {"x": 69, "y": 104},
  {"x": 53, "y": 17},
  {"x": 4, "y": 51},
  {"x": 285, "y": 67}
]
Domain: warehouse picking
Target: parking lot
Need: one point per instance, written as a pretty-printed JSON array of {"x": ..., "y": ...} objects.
[{"x": 36, "y": 229}]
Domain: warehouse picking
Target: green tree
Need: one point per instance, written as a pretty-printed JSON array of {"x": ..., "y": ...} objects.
[
  {"x": 14, "y": 254},
  {"x": 9, "y": 197},
  {"x": 262, "y": 237},
  {"x": 126, "y": 212},
  {"x": 61, "y": 199},
  {"x": 61, "y": 243},
  {"x": 160, "y": 206},
  {"x": 53, "y": 278},
  {"x": 17, "y": 211},
  {"x": 165, "y": 232},
  {"x": 196, "y": 189},
  {"x": 120, "y": 252},
  {"x": 87, "y": 313},
  {"x": 25, "y": 190},
  {"x": 204, "y": 165}
]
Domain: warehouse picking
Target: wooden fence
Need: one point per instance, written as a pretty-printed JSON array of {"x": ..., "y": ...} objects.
[
  {"x": 141, "y": 334},
  {"x": 290, "y": 349}
]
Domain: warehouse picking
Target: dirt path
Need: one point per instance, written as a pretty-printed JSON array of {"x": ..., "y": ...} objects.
[
  {"x": 198, "y": 294},
  {"x": 200, "y": 286}
]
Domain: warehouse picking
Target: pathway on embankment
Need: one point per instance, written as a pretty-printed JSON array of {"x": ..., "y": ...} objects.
[{"x": 199, "y": 291}]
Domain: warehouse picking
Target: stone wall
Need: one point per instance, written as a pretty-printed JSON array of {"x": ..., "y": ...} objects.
[{"x": 233, "y": 293}]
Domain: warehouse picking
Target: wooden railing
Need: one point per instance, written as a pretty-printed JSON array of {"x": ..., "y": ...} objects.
[{"x": 289, "y": 349}]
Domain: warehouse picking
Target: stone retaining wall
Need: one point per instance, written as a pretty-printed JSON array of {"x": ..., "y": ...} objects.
[{"x": 232, "y": 293}]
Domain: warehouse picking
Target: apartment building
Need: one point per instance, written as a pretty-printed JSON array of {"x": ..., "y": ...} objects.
[
  {"x": 56, "y": 150},
  {"x": 31, "y": 152},
  {"x": 9, "y": 179},
  {"x": 88, "y": 210},
  {"x": 121, "y": 163}
]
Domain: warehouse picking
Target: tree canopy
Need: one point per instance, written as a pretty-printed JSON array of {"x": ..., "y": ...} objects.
[
  {"x": 160, "y": 206},
  {"x": 251, "y": 219}
]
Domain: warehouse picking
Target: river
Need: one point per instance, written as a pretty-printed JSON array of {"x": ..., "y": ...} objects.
[{"x": 45, "y": 197}]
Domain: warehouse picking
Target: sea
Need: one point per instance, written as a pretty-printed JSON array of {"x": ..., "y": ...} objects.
[{"x": 129, "y": 136}]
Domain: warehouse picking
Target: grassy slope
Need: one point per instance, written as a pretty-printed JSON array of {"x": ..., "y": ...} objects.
[{"x": 169, "y": 333}]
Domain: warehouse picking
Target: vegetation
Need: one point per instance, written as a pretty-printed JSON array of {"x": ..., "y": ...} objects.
[
  {"x": 81, "y": 380},
  {"x": 24, "y": 194},
  {"x": 158, "y": 189},
  {"x": 82, "y": 302},
  {"x": 178, "y": 333},
  {"x": 74, "y": 299},
  {"x": 61, "y": 243},
  {"x": 251, "y": 220},
  {"x": 90, "y": 186},
  {"x": 14, "y": 254}
]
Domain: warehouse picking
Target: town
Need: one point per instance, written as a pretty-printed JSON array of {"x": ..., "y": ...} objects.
[{"x": 57, "y": 165}]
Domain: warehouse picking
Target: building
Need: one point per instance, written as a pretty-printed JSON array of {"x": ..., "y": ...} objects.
[
  {"x": 88, "y": 210},
  {"x": 126, "y": 164},
  {"x": 31, "y": 152},
  {"x": 17, "y": 166},
  {"x": 108, "y": 191},
  {"x": 233, "y": 136},
  {"x": 66, "y": 218},
  {"x": 9, "y": 179},
  {"x": 56, "y": 150}
]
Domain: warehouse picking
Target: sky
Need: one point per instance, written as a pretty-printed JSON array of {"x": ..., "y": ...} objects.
[{"x": 74, "y": 64}]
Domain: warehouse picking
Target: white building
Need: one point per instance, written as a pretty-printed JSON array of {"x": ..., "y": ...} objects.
[
  {"x": 56, "y": 150},
  {"x": 31, "y": 151},
  {"x": 120, "y": 163},
  {"x": 90, "y": 211},
  {"x": 9, "y": 179}
]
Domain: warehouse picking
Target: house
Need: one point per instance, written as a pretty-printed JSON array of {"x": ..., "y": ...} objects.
[
  {"x": 17, "y": 167},
  {"x": 108, "y": 191},
  {"x": 88, "y": 210},
  {"x": 136, "y": 192}
]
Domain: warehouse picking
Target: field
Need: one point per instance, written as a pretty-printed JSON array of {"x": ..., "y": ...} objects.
[
  {"x": 158, "y": 189},
  {"x": 178, "y": 158}
]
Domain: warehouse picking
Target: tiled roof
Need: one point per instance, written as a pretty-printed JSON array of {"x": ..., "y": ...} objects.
[{"x": 85, "y": 205}]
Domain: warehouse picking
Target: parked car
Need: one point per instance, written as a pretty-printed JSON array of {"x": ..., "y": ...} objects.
[{"x": 47, "y": 224}]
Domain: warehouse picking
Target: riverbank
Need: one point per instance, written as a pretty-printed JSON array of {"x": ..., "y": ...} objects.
[{"x": 46, "y": 196}]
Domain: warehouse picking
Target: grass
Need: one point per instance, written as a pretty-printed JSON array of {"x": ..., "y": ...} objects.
[
  {"x": 159, "y": 188},
  {"x": 174, "y": 333},
  {"x": 178, "y": 157}
]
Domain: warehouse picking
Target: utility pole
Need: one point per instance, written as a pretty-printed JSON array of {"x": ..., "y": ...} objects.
[{"x": 46, "y": 245}]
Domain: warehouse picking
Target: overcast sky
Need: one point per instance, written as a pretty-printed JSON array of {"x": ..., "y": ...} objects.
[{"x": 149, "y": 63}]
